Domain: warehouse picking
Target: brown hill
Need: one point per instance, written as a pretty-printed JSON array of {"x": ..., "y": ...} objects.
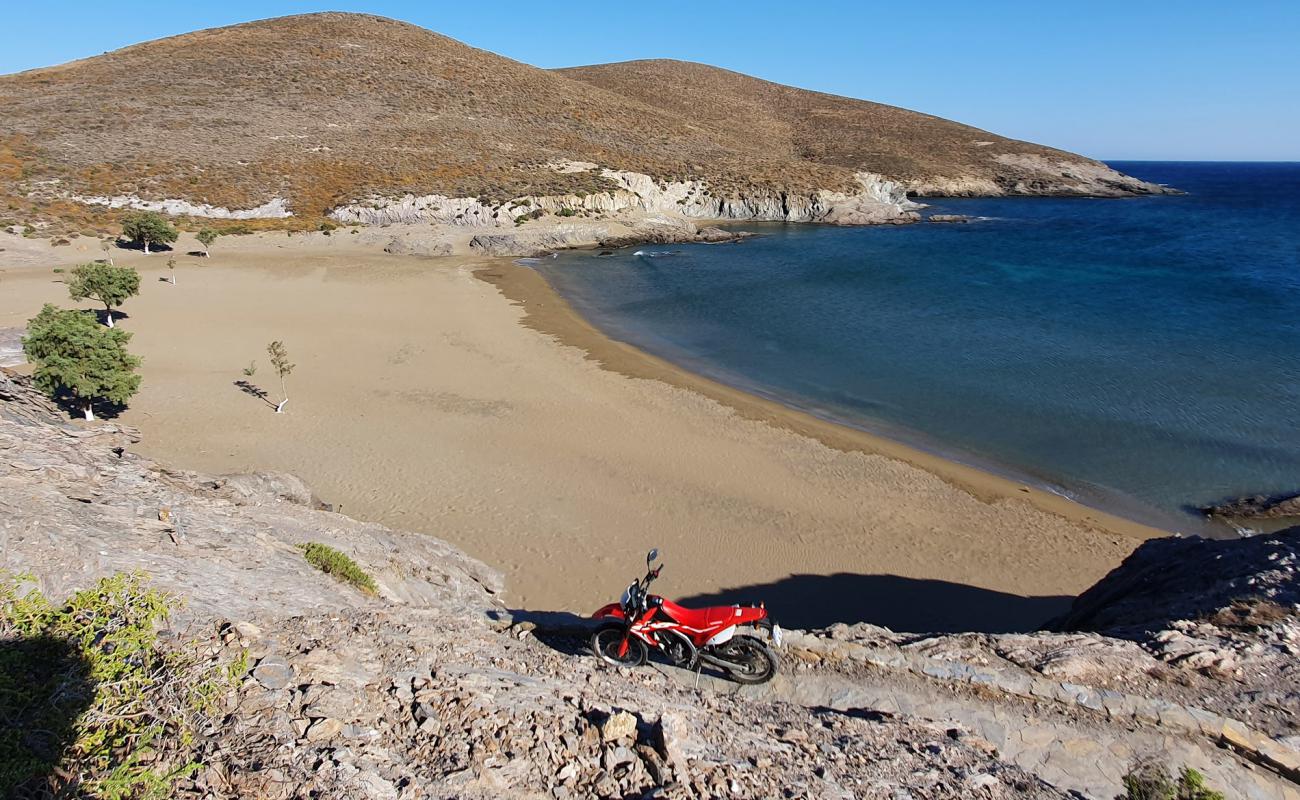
[
  {"x": 324, "y": 109},
  {"x": 931, "y": 154}
]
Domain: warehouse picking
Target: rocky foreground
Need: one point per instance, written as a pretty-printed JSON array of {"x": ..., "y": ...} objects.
[{"x": 432, "y": 688}]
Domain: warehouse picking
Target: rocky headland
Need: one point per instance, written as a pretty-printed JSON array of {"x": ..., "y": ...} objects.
[{"x": 431, "y": 687}]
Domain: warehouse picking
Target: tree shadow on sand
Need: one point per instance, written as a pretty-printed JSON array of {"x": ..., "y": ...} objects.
[
  {"x": 253, "y": 390},
  {"x": 898, "y": 603},
  {"x": 154, "y": 247},
  {"x": 45, "y": 686},
  {"x": 75, "y": 408}
]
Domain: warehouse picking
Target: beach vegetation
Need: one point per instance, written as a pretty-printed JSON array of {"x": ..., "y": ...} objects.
[
  {"x": 104, "y": 283},
  {"x": 96, "y": 703},
  {"x": 337, "y": 563},
  {"x": 171, "y": 269},
  {"x": 79, "y": 361},
  {"x": 148, "y": 228},
  {"x": 566, "y": 212},
  {"x": 206, "y": 237},
  {"x": 282, "y": 366},
  {"x": 250, "y": 370},
  {"x": 1153, "y": 781},
  {"x": 107, "y": 246}
]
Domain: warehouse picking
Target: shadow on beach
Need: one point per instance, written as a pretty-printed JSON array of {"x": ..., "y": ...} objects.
[{"x": 892, "y": 601}]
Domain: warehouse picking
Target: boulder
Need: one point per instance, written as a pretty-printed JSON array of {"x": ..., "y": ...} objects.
[
  {"x": 273, "y": 672},
  {"x": 1256, "y": 507},
  {"x": 418, "y": 246}
]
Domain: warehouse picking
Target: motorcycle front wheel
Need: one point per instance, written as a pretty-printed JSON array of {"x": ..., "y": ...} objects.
[
  {"x": 607, "y": 644},
  {"x": 748, "y": 660}
]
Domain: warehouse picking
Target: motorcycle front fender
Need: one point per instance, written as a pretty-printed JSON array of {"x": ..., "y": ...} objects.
[{"x": 611, "y": 611}]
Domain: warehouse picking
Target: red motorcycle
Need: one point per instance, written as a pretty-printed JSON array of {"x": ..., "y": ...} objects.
[{"x": 688, "y": 637}]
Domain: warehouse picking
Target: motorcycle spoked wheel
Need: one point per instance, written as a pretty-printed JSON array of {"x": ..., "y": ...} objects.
[
  {"x": 748, "y": 660},
  {"x": 608, "y": 641}
]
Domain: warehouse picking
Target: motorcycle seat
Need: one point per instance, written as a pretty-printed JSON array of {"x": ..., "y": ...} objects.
[{"x": 705, "y": 618}]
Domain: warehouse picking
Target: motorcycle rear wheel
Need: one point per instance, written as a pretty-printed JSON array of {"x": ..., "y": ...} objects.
[
  {"x": 608, "y": 640},
  {"x": 756, "y": 663}
]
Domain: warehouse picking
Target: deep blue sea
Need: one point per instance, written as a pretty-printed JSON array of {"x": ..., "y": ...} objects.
[{"x": 1142, "y": 354}]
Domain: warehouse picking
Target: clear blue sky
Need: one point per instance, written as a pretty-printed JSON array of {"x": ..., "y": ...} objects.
[{"x": 1143, "y": 79}]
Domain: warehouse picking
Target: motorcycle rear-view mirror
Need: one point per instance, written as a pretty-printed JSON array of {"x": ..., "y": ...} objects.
[{"x": 651, "y": 556}]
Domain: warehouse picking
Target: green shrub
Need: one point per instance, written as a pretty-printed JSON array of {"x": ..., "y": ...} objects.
[
  {"x": 566, "y": 212},
  {"x": 332, "y": 562},
  {"x": 94, "y": 703},
  {"x": 1152, "y": 781}
]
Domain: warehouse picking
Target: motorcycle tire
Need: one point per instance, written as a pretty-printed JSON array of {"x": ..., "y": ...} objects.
[
  {"x": 758, "y": 659},
  {"x": 608, "y": 639}
]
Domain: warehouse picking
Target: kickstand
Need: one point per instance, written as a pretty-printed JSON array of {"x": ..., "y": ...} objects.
[{"x": 699, "y": 667}]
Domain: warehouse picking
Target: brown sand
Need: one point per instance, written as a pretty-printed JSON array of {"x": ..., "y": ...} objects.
[{"x": 421, "y": 401}]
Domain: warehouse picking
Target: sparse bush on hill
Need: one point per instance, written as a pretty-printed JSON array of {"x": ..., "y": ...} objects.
[
  {"x": 79, "y": 361},
  {"x": 336, "y": 563},
  {"x": 93, "y": 702},
  {"x": 536, "y": 213},
  {"x": 1152, "y": 781},
  {"x": 148, "y": 228}
]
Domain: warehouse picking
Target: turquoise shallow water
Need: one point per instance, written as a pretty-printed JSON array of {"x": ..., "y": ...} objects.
[{"x": 1138, "y": 354}]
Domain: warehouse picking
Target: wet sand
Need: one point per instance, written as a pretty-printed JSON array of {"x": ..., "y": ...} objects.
[{"x": 490, "y": 415}]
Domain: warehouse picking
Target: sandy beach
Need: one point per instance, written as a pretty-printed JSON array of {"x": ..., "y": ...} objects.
[{"x": 462, "y": 398}]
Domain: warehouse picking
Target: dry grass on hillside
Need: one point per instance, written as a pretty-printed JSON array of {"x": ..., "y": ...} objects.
[{"x": 324, "y": 109}]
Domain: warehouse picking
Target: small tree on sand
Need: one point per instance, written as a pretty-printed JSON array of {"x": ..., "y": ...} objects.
[
  {"x": 104, "y": 283},
  {"x": 206, "y": 237},
  {"x": 107, "y": 246},
  {"x": 148, "y": 227},
  {"x": 171, "y": 266},
  {"x": 280, "y": 363},
  {"x": 78, "y": 360}
]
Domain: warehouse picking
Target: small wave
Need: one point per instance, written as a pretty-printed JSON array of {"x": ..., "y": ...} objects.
[
  {"x": 525, "y": 262},
  {"x": 1061, "y": 491},
  {"x": 656, "y": 253}
]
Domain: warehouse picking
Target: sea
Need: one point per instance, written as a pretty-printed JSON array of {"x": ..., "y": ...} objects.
[{"x": 1140, "y": 355}]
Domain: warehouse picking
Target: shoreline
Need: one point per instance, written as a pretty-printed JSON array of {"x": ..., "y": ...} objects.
[
  {"x": 546, "y": 311},
  {"x": 428, "y": 399}
]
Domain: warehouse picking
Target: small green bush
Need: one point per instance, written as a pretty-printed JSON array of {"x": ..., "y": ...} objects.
[
  {"x": 333, "y": 562},
  {"x": 536, "y": 213},
  {"x": 1152, "y": 781},
  {"x": 566, "y": 212},
  {"x": 94, "y": 703}
]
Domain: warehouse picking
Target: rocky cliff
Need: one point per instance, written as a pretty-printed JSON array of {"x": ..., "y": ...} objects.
[{"x": 430, "y": 687}]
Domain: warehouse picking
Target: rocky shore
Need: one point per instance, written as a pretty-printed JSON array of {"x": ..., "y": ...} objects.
[{"x": 431, "y": 688}]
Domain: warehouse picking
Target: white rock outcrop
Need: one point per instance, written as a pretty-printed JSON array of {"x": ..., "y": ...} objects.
[
  {"x": 877, "y": 201},
  {"x": 275, "y": 208}
]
